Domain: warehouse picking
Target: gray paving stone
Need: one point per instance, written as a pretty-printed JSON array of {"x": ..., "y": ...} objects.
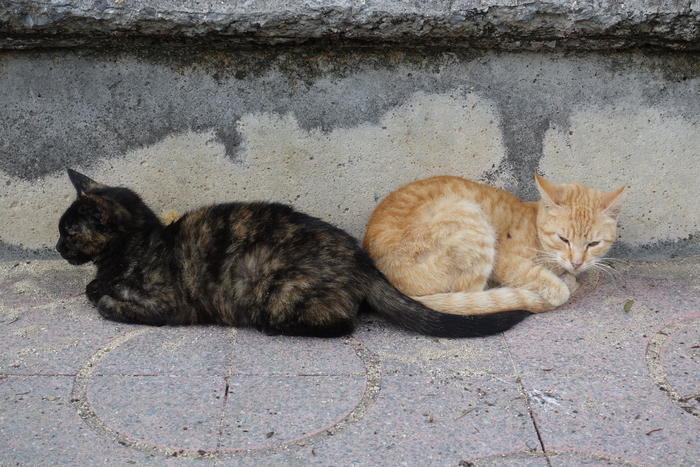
[
  {"x": 258, "y": 354},
  {"x": 595, "y": 334},
  {"x": 268, "y": 411},
  {"x": 55, "y": 338},
  {"x": 32, "y": 283},
  {"x": 420, "y": 419},
  {"x": 407, "y": 354},
  {"x": 680, "y": 358},
  {"x": 197, "y": 350},
  {"x": 613, "y": 417},
  {"x": 39, "y": 426},
  {"x": 529, "y": 459},
  {"x": 178, "y": 412},
  {"x": 584, "y": 458},
  {"x": 588, "y": 371}
]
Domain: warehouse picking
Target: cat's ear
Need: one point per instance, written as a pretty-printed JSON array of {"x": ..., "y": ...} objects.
[
  {"x": 612, "y": 202},
  {"x": 548, "y": 191},
  {"x": 108, "y": 211},
  {"x": 82, "y": 183}
]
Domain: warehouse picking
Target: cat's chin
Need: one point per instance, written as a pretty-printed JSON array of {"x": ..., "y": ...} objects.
[{"x": 76, "y": 261}]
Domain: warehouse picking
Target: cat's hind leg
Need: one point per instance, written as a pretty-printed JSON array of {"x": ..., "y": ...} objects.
[
  {"x": 336, "y": 328},
  {"x": 330, "y": 313},
  {"x": 450, "y": 247}
]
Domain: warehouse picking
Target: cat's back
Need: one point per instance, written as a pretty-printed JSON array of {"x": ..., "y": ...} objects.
[
  {"x": 422, "y": 201},
  {"x": 231, "y": 257},
  {"x": 214, "y": 233},
  {"x": 244, "y": 222}
]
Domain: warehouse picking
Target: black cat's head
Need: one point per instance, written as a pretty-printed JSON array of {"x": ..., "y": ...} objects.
[{"x": 99, "y": 215}]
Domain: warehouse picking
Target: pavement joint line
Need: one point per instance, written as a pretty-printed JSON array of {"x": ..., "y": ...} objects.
[
  {"x": 519, "y": 380},
  {"x": 580, "y": 456},
  {"x": 79, "y": 398},
  {"x": 656, "y": 367},
  {"x": 227, "y": 379},
  {"x": 34, "y": 375},
  {"x": 185, "y": 375}
]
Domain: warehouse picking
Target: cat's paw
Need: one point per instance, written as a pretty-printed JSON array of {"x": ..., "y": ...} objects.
[
  {"x": 556, "y": 294},
  {"x": 170, "y": 216},
  {"x": 570, "y": 281},
  {"x": 106, "y": 307},
  {"x": 268, "y": 330},
  {"x": 92, "y": 291}
]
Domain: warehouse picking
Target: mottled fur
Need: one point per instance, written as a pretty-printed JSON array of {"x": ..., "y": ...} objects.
[
  {"x": 440, "y": 240},
  {"x": 239, "y": 264}
]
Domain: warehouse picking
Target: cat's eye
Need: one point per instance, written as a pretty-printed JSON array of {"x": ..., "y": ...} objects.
[
  {"x": 592, "y": 244},
  {"x": 564, "y": 239}
]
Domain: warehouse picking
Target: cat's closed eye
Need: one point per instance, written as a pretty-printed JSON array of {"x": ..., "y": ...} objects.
[
  {"x": 592, "y": 244},
  {"x": 564, "y": 239}
]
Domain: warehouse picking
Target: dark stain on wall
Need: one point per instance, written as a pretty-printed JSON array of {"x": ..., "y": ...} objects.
[{"x": 67, "y": 108}]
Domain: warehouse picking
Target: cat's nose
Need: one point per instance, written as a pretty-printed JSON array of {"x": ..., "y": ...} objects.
[{"x": 576, "y": 265}]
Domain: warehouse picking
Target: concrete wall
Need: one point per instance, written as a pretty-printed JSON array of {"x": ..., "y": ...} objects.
[{"x": 334, "y": 131}]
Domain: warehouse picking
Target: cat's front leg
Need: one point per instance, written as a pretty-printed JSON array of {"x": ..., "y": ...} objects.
[
  {"x": 524, "y": 273},
  {"x": 128, "y": 312},
  {"x": 95, "y": 290}
]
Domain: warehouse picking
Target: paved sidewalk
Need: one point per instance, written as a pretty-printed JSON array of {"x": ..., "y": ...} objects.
[{"x": 610, "y": 379}]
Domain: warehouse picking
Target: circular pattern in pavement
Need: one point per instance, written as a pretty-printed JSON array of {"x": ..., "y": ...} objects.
[
  {"x": 673, "y": 354},
  {"x": 540, "y": 458},
  {"x": 218, "y": 392}
]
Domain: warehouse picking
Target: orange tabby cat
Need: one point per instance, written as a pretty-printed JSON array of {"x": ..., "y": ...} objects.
[{"x": 441, "y": 239}]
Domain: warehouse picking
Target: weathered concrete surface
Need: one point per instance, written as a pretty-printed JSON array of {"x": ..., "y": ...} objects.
[
  {"x": 332, "y": 132},
  {"x": 504, "y": 24},
  {"x": 608, "y": 379}
]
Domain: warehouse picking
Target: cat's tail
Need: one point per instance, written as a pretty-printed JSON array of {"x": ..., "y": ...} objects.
[
  {"x": 386, "y": 300},
  {"x": 484, "y": 302}
]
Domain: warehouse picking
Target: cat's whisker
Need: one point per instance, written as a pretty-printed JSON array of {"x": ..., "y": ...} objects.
[
  {"x": 611, "y": 262},
  {"x": 605, "y": 266},
  {"x": 536, "y": 250},
  {"x": 546, "y": 260},
  {"x": 605, "y": 269}
]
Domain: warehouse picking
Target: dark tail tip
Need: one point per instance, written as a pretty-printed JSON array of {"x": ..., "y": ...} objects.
[{"x": 447, "y": 325}]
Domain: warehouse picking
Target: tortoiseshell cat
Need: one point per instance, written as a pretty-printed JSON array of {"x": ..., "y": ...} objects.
[{"x": 258, "y": 264}]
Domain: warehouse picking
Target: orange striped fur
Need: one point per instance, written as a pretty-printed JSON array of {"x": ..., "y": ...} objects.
[{"x": 440, "y": 240}]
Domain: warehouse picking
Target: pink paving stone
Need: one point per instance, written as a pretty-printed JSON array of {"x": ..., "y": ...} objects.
[
  {"x": 259, "y": 354},
  {"x": 26, "y": 284},
  {"x": 55, "y": 338},
  {"x": 429, "y": 421},
  {"x": 184, "y": 350},
  {"x": 178, "y": 412},
  {"x": 595, "y": 334},
  {"x": 267, "y": 411},
  {"x": 40, "y": 426},
  {"x": 405, "y": 353},
  {"x": 680, "y": 359},
  {"x": 584, "y": 367},
  {"x": 624, "y": 417}
]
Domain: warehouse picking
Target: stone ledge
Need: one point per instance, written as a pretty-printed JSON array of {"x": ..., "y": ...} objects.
[{"x": 492, "y": 24}]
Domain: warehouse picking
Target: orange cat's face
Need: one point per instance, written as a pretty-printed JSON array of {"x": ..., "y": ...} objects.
[{"x": 576, "y": 225}]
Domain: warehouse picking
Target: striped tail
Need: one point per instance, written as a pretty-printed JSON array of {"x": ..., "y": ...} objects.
[
  {"x": 484, "y": 302},
  {"x": 386, "y": 300}
]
